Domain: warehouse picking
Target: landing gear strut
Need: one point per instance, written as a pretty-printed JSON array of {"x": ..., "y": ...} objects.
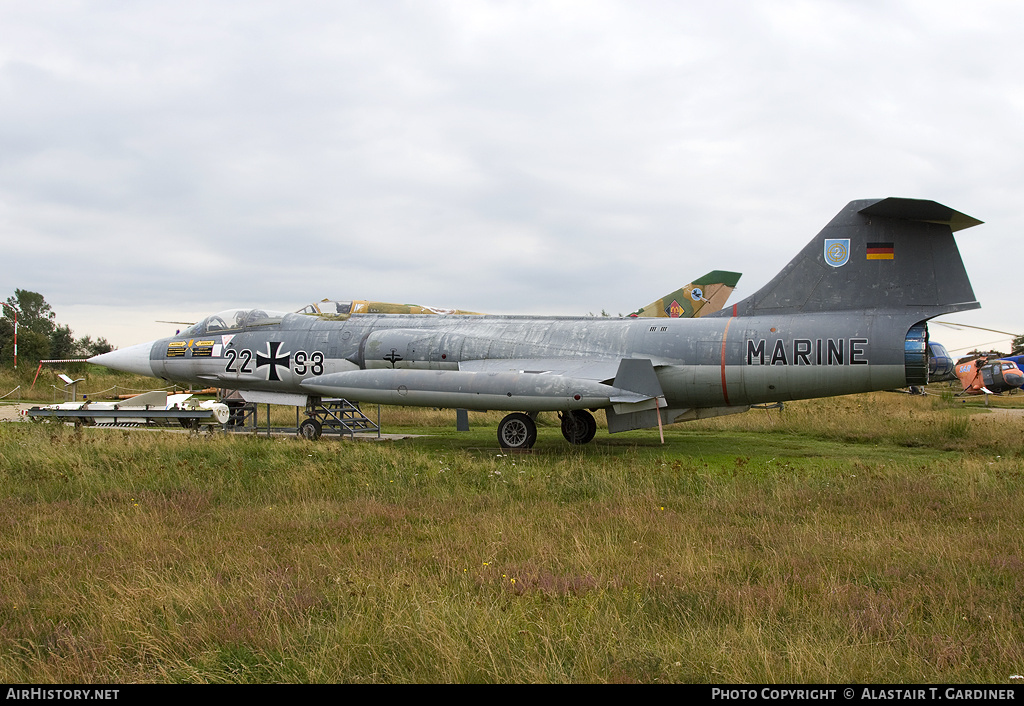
[
  {"x": 517, "y": 431},
  {"x": 578, "y": 426}
]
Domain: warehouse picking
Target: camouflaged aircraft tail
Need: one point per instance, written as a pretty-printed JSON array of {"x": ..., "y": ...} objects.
[
  {"x": 705, "y": 295},
  {"x": 875, "y": 255}
]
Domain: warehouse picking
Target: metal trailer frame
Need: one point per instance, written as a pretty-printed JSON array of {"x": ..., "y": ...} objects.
[
  {"x": 188, "y": 418},
  {"x": 331, "y": 416}
]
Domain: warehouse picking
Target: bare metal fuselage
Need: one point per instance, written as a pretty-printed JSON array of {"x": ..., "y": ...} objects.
[
  {"x": 698, "y": 362},
  {"x": 847, "y": 315}
]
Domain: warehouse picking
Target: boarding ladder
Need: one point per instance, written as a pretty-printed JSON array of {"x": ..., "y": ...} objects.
[{"x": 338, "y": 416}]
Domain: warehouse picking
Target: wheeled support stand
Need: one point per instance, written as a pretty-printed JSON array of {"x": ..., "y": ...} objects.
[{"x": 333, "y": 416}]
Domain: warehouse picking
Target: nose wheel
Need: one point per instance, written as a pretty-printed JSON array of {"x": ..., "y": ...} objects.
[
  {"x": 517, "y": 431},
  {"x": 310, "y": 429},
  {"x": 578, "y": 426}
]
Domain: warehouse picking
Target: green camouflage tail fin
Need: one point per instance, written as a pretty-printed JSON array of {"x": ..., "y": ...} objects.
[{"x": 701, "y": 297}]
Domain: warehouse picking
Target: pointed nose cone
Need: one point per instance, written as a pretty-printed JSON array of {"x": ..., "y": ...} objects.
[{"x": 134, "y": 359}]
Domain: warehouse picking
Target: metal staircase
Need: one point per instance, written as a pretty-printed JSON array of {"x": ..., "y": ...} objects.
[{"x": 335, "y": 416}]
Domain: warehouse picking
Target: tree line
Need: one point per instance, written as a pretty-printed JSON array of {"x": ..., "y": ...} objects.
[{"x": 40, "y": 337}]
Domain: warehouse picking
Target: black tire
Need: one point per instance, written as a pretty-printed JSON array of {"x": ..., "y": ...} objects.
[
  {"x": 517, "y": 431},
  {"x": 578, "y": 426},
  {"x": 310, "y": 429}
]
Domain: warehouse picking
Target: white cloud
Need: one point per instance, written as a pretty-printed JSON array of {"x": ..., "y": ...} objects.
[{"x": 553, "y": 157}]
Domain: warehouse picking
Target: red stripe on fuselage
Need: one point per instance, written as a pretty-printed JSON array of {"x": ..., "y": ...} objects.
[{"x": 725, "y": 334}]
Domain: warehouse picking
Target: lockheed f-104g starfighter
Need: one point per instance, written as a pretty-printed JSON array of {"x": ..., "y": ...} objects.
[{"x": 847, "y": 315}]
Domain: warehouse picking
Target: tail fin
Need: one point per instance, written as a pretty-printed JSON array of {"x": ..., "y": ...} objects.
[
  {"x": 875, "y": 254},
  {"x": 701, "y": 297}
]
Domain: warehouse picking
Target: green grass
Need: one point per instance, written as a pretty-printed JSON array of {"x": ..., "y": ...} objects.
[{"x": 865, "y": 539}]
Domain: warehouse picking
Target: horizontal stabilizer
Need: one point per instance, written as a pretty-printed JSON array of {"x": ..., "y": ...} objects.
[{"x": 923, "y": 211}]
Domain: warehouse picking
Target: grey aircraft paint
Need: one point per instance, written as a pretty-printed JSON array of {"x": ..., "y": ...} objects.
[{"x": 848, "y": 314}]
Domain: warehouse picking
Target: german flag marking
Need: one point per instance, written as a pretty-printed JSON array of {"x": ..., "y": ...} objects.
[{"x": 880, "y": 251}]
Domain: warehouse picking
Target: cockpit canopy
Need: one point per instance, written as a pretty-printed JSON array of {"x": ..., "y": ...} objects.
[
  {"x": 330, "y": 306},
  {"x": 234, "y": 320}
]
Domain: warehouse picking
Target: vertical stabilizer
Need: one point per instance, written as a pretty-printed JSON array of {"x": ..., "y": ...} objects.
[
  {"x": 701, "y": 297},
  {"x": 892, "y": 254}
]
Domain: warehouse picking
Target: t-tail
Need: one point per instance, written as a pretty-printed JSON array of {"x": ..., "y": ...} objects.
[{"x": 876, "y": 255}]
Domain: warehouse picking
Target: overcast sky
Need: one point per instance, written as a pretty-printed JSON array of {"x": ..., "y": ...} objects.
[{"x": 168, "y": 160}]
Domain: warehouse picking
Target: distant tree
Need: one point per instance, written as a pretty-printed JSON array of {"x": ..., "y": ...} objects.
[
  {"x": 35, "y": 326},
  {"x": 1018, "y": 345},
  {"x": 32, "y": 347},
  {"x": 40, "y": 337},
  {"x": 62, "y": 342},
  {"x": 6, "y": 338},
  {"x": 34, "y": 314},
  {"x": 86, "y": 347}
]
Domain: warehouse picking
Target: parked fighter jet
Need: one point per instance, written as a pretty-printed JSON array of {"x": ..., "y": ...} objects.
[
  {"x": 989, "y": 376},
  {"x": 848, "y": 314},
  {"x": 341, "y": 310},
  {"x": 701, "y": 297}
]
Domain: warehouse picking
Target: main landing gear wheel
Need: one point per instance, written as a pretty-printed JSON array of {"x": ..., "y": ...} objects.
[
  {"x": 578, "y": 426},
  {"x": 310, "y": 429},
  {"x": 517, "y": 431}
]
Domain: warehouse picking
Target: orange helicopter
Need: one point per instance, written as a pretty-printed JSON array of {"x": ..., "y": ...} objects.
[{"x": 987, "y": 375}]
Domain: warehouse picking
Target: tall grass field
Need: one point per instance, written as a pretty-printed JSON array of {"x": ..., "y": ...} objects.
[{"x": 874, "y": 538}]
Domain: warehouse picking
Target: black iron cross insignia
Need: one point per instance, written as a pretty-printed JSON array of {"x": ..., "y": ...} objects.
[{"x": 273, "y": 359}]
